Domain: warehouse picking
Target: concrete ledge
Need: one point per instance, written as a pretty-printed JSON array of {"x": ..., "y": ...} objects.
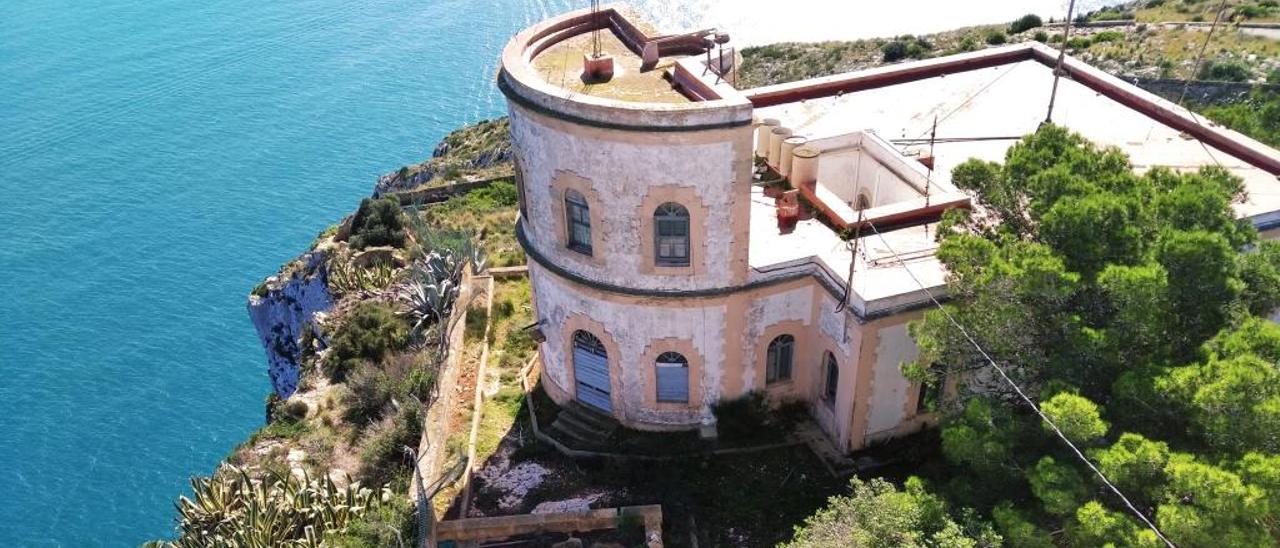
[{"x": 479, "y": 529}]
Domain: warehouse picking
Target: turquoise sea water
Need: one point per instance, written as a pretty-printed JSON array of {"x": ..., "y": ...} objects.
[{"x": 157, "y": 159}]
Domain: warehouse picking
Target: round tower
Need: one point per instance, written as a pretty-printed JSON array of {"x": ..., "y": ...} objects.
[{"x": 635, "y": 205}]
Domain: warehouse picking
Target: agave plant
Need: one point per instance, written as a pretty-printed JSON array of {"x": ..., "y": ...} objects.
[
  {"x": 346, "y": 277},
  {"x": 434, "y": 282},
  {"x": 235, "y": 510}
]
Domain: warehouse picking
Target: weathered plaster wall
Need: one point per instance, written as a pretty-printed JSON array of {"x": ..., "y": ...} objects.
[
  {"x": 622, "y": 168},
  {"x": 632, "y": 327},
  {"x": 795, "y": 305},
  {"x": 889, "y": 388}
]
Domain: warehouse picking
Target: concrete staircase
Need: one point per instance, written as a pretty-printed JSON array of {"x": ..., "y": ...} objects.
[
  {"x": 579, "y": 426},
  {"x": 811, "y": 434}
]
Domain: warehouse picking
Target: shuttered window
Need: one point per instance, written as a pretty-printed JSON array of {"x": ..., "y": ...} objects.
[
  {"x": 778, "y": 361},
  {"x": 579, "y": 218},
  {"x": 832, "y": 379},
  {"x": 673, "y": 378},
  {"x": 671, "y": 235}
]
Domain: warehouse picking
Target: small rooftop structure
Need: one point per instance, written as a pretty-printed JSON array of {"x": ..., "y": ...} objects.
[{"x": 870, "y": 128}]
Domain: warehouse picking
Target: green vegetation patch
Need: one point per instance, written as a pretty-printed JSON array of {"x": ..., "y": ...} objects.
[
  {"x": 371, "y": 332},
  {"x": 378, "y": 222},
  {"x": 1258, "y": 117}
]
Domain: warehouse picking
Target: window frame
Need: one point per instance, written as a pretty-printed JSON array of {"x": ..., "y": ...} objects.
[
  {"x": 830, "y": 378},
  {"x": 670, "y": 215},
  {"x": 577, "y": 214},
  {"x": 774, "y": 365},
  {"x": 670, "y": 360}
]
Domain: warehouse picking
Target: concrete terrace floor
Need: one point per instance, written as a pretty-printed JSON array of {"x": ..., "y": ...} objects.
[
  {"x": 1011, "y": 101},
  {"x": 561, "y": 65}
]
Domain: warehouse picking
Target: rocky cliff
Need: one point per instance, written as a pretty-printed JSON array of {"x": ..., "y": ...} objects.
[
  {"x": 284, "y": 308},
  {"x": 473, "y": 152}
]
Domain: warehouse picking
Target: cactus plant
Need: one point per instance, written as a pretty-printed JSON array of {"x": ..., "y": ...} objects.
[{"x": 233, "y": 509}]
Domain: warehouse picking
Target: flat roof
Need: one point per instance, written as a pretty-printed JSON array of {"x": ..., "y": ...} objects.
[
  {"x": 881, "y": 283},
  {"x": 995, "y": 96},
  {"x": 561, "y": 65},
  {"x": 1011, "y": 101}
]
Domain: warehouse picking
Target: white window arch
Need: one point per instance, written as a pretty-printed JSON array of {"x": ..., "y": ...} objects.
[
  {"x": 671, "y": 371},
  {"x": 671, "y": 235},
  {"x": 778, "y": 360}
]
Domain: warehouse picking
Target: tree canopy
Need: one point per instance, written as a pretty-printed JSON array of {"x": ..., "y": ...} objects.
[{"x": 1128, "y": 305}]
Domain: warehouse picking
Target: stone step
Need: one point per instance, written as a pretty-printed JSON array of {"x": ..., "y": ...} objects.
[
  {"x": 571, "y": 434},
  {"x": 592, "y": 417},
  {"x": 588, "y": 431}
]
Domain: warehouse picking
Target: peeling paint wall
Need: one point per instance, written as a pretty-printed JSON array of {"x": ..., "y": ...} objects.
[
  {"x": 888, "y": 385},
  {"x": 621, "y": 168},
  {"x": 793, "y": 305},
  {"x": 632, "y": 327}
]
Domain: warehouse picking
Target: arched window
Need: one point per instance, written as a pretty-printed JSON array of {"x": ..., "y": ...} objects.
[
  {"x": 832, "y": 378},
  {"x": 591, "y": 371},
  {"x": 671, "y": 235},
  {"x": 578, "y": 215},
  {"x": 778, "y": 361},
  {"x": 672, "y": 377}
]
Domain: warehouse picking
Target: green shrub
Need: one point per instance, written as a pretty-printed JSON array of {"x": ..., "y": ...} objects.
[
  {"x": 1079, "y": 43},
  {"x": 296, "y": 409},
  {"x": 1274, "y": 77},
  {"x": 390, "y": 524},
  {"x": 1224, "y": 71},
  {"x": 383, "y": 456},
  {"x": 373, "y": 330},
  {"x": 1025, "y": 23},
  {"x": 370, "y": 390},
  {"x": 1108, "y": 36},
  {"x": 378, "y": 222},
  {"x": 1041, "y": 36},
  {"x": 996, "y": 37},
  {"x": 1251, "y": 12},
  {"x": 894, "y": 51},
  {"x": 260, "y": 290}
]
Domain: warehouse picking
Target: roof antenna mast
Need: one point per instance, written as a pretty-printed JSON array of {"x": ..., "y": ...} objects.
[
  {"x": 1062, "y": 54},
  {"x": 595, "y": 34}
]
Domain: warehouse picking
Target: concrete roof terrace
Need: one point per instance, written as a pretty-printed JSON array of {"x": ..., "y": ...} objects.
[
  {"x": 984, "y": 102},
  {"x": 658, "y": 84}
]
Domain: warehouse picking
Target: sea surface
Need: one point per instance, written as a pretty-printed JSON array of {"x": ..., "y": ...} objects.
[{"x": 159, "y": 157}]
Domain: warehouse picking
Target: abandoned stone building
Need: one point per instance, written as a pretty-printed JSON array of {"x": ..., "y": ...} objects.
[{"x": 668, "y": 275}]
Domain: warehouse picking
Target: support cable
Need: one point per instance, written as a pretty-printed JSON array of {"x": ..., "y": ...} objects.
[
  {"x": 1000, "y": 370},
  {"x": 1186, "y": 84},
  {"x": 1062, "y": 56}
]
